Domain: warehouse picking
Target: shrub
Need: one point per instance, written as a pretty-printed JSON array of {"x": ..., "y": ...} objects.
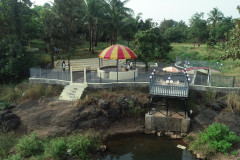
[
  {"x": 56, "y": 147},
  {"x": 30, "y": 145},
  {"x": 216, "y": 137},
  {"x": 233, "y": 101},
  {"x": 14, "y": 157},
  {"x": 79, "y": 145},
  {"x": 7, "y": 142}
]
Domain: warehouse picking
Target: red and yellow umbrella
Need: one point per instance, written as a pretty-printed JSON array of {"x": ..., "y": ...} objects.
[{"x": 117, "y": 52}]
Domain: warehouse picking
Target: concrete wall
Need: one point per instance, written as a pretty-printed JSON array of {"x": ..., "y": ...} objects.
[
  {"x": 100, "y": 73},
  {"x": 215, "y": 89},
  {"x": 127, "y": 86},
  {"x": 49, "y": 81},
  {"x": 123, "y": 75},
  {"x": 160, "y": 123}
]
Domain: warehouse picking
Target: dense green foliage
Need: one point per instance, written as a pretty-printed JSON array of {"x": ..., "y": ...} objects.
[
  {"x": 7, "y": 142},
  {"x": 29, "y": 145},
  {"x": 77, "y": 145},
  {"x": 217, "y": 137},
  {"x": 151, "y": 45},
  {"x": 56, "y": 148}
]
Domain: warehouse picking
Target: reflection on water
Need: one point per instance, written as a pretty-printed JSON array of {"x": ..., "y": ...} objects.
[{"x": 145, "y": 147}]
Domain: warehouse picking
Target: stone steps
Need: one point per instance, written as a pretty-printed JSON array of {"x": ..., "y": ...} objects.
[{"x": 72, "y": 92}]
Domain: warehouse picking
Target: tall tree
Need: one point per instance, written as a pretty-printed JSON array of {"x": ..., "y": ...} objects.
[
  {"x": 69, "y": 15},
  {"x": 93, "y": 12},
  {"x": 151, "y": 45},
  {"x": 233, "y": 44},
  {"x": 115, "y": 13},
  {"x": 215, "y": 16},
  {"x": 198, "y": 30},
  {"x": 14, "y": 17}
]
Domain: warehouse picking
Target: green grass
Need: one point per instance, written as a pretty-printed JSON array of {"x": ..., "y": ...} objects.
[
  {"x": 25, "y": 92},
  {"x": 30, "y": 146},
  {"x": 202, "y": 53},
  {"x": 194, "y": 53},
  {"x": 216, "y": 138}
]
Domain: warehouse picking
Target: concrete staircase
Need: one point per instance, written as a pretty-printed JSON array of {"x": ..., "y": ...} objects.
[
  {"x": 80, "y": 64},
  {"x": 72, "y": 92}
]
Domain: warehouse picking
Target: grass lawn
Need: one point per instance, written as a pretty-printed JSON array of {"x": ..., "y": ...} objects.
[
  {"x": 202, "y": 53},
  {"x": 195, "y": 53}
]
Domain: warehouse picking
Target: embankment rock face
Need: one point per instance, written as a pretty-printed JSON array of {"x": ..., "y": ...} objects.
[
  {"x": 8, "y": 120},
  {"x": 217, "y": 112},
  {"x": 58, "y": 117}
]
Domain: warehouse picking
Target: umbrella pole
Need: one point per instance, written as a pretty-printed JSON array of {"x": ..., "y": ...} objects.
[
  {"x": 117, "y": 70},
  {"x": 99, "y": 62}
]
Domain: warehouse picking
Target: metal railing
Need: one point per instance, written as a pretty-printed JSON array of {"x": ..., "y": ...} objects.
[
  {"x": 187, "y": 63},
  {"x": 177, "y": 86},
  {"x": 140, "y": 76},
  {"x": 49, "y": 74}
]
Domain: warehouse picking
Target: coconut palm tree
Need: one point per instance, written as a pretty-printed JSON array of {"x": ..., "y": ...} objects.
[
  {"x": 93, "y": 12},
  {"x": 215, "y": 16},
  {"x": 116, "y": 12}
]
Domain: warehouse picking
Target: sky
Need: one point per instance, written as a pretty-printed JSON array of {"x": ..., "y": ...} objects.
[{"x": 177, "y": 10}]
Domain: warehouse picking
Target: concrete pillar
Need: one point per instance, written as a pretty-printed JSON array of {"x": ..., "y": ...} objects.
[
  {"x": 209, "y": 77},
  {"x": 85, "y": 75},
  {"x": 71, "y": 76},
  {"x": 194, "y": 77}
]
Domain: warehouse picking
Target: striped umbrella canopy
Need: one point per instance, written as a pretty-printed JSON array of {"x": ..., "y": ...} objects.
[
  {"x": 117, "y": 52},
  {"x": 170, "y": 69}
]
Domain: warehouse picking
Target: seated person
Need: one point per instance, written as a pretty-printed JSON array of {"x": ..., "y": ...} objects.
[
  {"x": 128, "y": 67},
  {"x": 131, "y": 65}
]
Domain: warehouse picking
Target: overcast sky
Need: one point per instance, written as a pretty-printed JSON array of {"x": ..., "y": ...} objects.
[{"x": 177, "y": 10}]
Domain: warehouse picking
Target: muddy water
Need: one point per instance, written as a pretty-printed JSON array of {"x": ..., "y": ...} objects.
[{"x": 145, "y": 147}]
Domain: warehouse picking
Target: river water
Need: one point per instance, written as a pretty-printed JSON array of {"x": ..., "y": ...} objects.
[{"x": 145, "y": 147}]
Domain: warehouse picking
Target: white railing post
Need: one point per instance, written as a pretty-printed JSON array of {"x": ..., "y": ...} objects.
[
  {"x": 85, "y": 75},
  {"x": 71, "y": 76}
]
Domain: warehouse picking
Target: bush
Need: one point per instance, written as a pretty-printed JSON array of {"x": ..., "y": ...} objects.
[
  {"x": 216, "y": 137},
  {"x": 56, "y": 147},
  {"x": 7, "y": 142},
  {"x": 233, "y": 101},
  {"x": 30, "y": 145},
  {"x": 79, "y": 145},
  {"x": 26, "y": 91},
  {"x": 14, "y": 157}
]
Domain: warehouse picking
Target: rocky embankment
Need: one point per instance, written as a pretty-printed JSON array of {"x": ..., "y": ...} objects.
[
  {"x": 218, "y": 111},
  {"x": 51, "y": 117}
]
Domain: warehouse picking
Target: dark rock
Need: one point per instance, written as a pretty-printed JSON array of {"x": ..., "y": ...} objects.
[
  {"x": 216, "y": 107},
  {"x": 125, "y": 103},
  {"x": 206, "y": 117},
  {"x": 208, "y": 104},
  {"x": 233, "y": 122},
  {"x": 8, "y": 120},
  {"x": 103, "y": 104},
  {"x": 90, "y": 112},
  {"x": 11, "y": 106},
  {"x": 13, "y": 123},
  {"x": 222, "y": 102},
  {"x": 114, "y": 113}
]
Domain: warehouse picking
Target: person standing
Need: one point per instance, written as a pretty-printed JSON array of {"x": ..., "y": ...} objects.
[{"x": 63, "y": 65}]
